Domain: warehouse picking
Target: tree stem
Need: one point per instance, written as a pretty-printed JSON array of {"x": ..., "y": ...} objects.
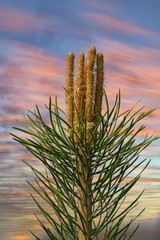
[{"x": 85, "y": 201}]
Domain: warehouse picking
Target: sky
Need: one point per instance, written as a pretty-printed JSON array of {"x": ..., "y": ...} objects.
[{"x": 35, "y": 39}]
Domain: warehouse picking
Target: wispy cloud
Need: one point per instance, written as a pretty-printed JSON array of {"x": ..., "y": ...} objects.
[
  {"x": 33, "y": 69},
  {"x": 29, "y": 76},
  {"x": 117, "y": 25},
  {"x": 132, "y": 66},
  {"x": 14, "y": 21}
]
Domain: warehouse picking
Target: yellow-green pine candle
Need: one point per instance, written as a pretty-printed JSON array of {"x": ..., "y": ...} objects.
[
  {"x": 69, "y": 86},
  {"x": 83, "y": 204},
  {"x": 99, "y": 84},
  {"x": 89, "y": 71},
  {"x": 79, "y": 86}
]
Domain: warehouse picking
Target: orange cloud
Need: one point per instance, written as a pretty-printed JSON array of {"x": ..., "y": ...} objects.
[
  {"x": 14, "y": 21},
  {"x": 20, "y": 237},
  {"x": 153, "y": 180},
  {"x": 114, "y": 24},
  {"x": 154, "y": 132},
  {"x": 128, "y": 179}
]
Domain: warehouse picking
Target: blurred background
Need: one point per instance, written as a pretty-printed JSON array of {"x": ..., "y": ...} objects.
[{"x": 35, "y": 38}]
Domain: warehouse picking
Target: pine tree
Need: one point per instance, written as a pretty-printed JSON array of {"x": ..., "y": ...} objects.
[{"x": 86, "y": 157}]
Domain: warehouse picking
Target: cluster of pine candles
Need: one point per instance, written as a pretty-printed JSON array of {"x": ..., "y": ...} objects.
[{"x": 87, "y": 93}]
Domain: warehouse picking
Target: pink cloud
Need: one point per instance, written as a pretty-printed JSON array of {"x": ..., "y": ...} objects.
[
  {"x": 32, "y": 75},
  {"x": 131, "y": 66},
  {"x": 37, "y": 74},
  {"x": 148, "y": 168},
  {"x": 13, "y": 21},
  {"x": 8, "y": 119},
  {"x": 114, "y": 24},
  {"x": 128, "y": 53},
  {"x": 33, "y": 69}
]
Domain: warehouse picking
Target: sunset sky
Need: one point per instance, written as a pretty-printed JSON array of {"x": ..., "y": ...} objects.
[{"x": 35, "y": 38}]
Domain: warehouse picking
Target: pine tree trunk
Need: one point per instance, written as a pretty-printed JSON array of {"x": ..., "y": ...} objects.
[{"x": 85, "y": 201}]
